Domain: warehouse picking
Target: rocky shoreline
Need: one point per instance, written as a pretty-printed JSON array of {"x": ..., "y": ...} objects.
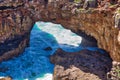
[
  {"x": 100, "y": 21},
  {"x": 17, "y": 18},
  {"x": 82, "y": 65}
]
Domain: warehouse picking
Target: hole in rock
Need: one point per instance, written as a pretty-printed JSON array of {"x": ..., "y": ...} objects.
[{"x": 45, "y": 39}]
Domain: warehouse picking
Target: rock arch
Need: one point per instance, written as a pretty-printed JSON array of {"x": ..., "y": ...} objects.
[{"x": 16, "y": 23}]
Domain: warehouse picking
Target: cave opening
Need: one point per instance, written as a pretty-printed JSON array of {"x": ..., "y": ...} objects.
[{"x": 45, "y": 40}]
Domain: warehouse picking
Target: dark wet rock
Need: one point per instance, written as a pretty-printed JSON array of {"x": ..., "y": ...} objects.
[
  {"x": 90, "y": 4},
  {"x": 82, "y": 65},
  {"x": 113, "y": 1},
  {"x": 71, "y": 0},
  {"x": 48, "y": 49}
]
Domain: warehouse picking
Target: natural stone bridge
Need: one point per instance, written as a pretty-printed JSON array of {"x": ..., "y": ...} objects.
[{"x": 18, "y": 16}]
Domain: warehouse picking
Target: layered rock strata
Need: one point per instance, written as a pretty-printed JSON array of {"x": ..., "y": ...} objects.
[
  {"x": 103, "y": 23},
  {"x": 99, "y": 23},
  {"x": 15, "y": 27},
  {"x": 18, "y": 16}
]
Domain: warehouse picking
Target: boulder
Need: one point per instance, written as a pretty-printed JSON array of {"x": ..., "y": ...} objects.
[
  {"x": 48, "y": 49},
  {"x": 82, "y": 65}
]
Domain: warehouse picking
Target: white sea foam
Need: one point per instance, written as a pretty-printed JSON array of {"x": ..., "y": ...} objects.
[
  {"x": 62, "y": 35},
  {"x": 47, "y": 76}
]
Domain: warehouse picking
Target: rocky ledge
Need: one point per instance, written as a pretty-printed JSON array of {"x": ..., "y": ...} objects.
[{"x": 82, "y": 65}]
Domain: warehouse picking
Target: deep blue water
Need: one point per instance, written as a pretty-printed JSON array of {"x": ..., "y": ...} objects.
[{"x": 34, "y": 63}]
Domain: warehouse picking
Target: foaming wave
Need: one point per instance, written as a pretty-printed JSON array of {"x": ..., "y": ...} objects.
[
  {"x": 47, "y": 76},
  {"x": 62, "y": 35}
]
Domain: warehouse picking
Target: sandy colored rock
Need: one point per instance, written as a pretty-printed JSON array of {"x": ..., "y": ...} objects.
[
  {"x": 6, "y": 78},
  {"x": 82, "y": 65}
]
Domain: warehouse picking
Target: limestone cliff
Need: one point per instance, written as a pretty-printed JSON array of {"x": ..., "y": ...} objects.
[
  {"x": 18, "y": 16},
  {"x": 15, "y": 26},
  {"x": 97, "y": 23}
]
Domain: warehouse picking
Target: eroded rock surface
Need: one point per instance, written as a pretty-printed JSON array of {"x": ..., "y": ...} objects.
[
  {"x": 17, "y": 18},
  {"x": 82, "y": 65},
  {"x": 15, "y": 26},
  {"x": 97, "y": 22}
]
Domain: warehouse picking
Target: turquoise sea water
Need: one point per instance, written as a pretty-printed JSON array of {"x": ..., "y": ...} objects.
[{"x": 34, "y": 63}]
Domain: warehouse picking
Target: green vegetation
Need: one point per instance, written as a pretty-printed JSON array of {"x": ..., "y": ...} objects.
[
  {"x": 118, "y": 11},
  {"x": 76, "y": 1},
  {"x": 118, "y": 72},
  {"x": 80, "y": 9}
]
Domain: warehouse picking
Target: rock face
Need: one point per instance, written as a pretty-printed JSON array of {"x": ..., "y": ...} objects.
[
  {"x": 90, "y": 3},
  {"x": 97, "y": 23},
  {"x": 15, "y": 26},
  {"x": 18, "y": 16},
  {"x": 83, "y": 65}
]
